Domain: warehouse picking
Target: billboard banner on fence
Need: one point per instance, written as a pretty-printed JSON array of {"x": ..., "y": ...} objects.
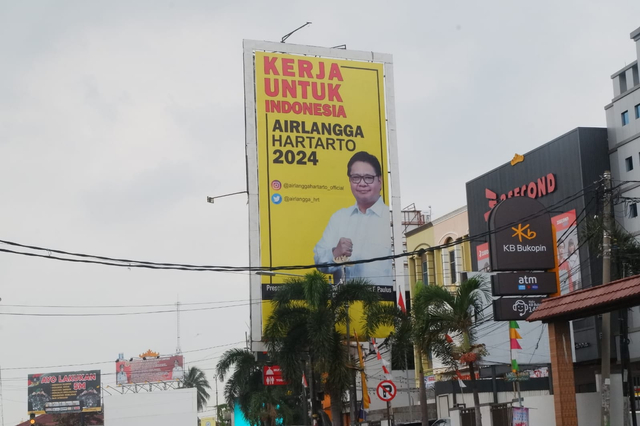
[
  {"x": 68, "y": 392},
  {"x": 150, "y": 370},
  {"x": 321, "y": 157}
]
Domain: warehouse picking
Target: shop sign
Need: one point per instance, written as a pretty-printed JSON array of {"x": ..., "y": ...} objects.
[
  {"x": 524, "y": 283},
  {"x": 515, "y": 308},
  {"x": 520, "y": 236}
]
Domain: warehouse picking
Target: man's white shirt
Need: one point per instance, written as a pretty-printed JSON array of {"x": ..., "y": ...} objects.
[{"x": 370, "y": 233}]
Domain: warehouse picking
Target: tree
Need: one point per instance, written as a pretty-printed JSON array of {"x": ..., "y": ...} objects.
[
  {"x": 259, "y": 404},
  {"x": 439, "y": 313},
  {"x": 303, "y": 328},
  {"x": 625, "y": 249},
  {"x": 401, "y": 342},
  {"x": 195, "y": 378}
]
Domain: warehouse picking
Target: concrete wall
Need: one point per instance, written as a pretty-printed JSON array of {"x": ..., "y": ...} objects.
[
  {"x": 542, "y": 411},
  {"x": 157, "y": 408}
]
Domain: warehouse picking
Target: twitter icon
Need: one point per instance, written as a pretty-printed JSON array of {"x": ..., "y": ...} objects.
[{"x": 276, "y": 198}]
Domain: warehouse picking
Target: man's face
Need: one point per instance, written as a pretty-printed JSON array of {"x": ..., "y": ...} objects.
[{"x": 365, "y": 193}]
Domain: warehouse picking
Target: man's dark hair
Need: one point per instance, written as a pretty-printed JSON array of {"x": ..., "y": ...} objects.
[{"x": 365, "y": 157}]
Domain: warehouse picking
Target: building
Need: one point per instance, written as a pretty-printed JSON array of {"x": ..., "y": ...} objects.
[
  {"x": 442, "y": 266},
  {"x": 565, "y": 175},
  {"x": 623, "y": 129}
]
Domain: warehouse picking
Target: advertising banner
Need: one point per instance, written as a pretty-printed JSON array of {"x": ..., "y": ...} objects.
[
  {"x": 323, "y": 166},
  {"x": 482, "y": 255},
  {"x": 568, "y": 254},
  {"x": 67, "y": 392},
  {"x": 150, "y": 370},
  {"x": 520, "y": 416}
]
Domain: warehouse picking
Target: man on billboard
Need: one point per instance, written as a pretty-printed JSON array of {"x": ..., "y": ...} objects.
[
  {"x": 178, "y": 372},
  {"x": 362, "y": 231},
  {"x": 121, "y": 377}
]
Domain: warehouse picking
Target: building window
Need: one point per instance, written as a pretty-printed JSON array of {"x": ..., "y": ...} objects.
[
  {"x": 628, "y": 162},
  {"x": 425, "y": 270},
  {"x": 633, "y": 210},
  {"x": 625, "y": 118},
  {"x": 637, "y": 108},
  {"x": 452, "y": 266}
]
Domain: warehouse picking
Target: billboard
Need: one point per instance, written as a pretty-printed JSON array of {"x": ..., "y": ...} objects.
[
  {"x": 150, "y": 370},
  {"x": 76, "y": 391},
  {"x": 321, "y": 158},
  {"x": 569, "y": 268}
]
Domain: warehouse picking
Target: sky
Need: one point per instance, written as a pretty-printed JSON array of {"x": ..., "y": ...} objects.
[{"x": 119, "y": 118}]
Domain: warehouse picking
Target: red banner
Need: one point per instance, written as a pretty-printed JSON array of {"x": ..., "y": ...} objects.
[{"x": 150, "y": 370}]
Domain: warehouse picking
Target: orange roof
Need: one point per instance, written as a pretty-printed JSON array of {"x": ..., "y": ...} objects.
[{"x": 624, "y": 293}]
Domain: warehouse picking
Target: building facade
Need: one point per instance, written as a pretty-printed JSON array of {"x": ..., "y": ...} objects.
[
  {"x": 565, "y": 175},
  {"x": 623, "y": 128},
  {"x": 449, "y": 255}
]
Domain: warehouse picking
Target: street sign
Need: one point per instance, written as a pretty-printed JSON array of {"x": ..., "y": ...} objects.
[
  {"x": 520, "y": 376},
  {"x": 524, "y": 283},
  {"x": 272, "y": 376},
  {"x": 520, "y": 237},
  {"x": 515, "y": 308},
  {"x": 386, "y": 390}
]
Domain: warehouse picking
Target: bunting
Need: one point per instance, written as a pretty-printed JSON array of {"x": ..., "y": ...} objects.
[
  {"x": 513, "y": 338},
  {"x": 385, "y": 363}
]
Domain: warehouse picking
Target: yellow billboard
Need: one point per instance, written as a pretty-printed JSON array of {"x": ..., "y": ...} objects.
[{"x": 322, "y": 170}]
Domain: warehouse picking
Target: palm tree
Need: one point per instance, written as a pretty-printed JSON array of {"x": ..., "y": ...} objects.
[
  {"x": 304, "y": 328},
  {"x": 195, "y": 378},
  {"x": 401, "y": 341},
  {"x": 438, "y": 313},
  {"x": 259, "y": 404}
]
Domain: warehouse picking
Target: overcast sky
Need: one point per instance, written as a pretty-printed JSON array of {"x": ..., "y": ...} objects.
[{"x": 118, "y": 118}]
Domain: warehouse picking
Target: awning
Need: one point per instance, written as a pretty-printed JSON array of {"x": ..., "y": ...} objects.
[{"x": 620, "y": 294}]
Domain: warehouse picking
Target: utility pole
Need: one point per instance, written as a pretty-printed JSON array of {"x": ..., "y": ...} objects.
[
  {"x": 178, "y": 348},
  {"x": 1, "y": 398},
  {"x": 605, "y": 342},
  {"x": 217, "y": 407},
  {"x": 406, "y": 373},
  {"x": 353, "y": 397}
]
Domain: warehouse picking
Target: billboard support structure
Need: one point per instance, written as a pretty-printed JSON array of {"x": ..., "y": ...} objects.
[
  {"x": 146, "y": 387},
  {"x": 305, "y": 65}
]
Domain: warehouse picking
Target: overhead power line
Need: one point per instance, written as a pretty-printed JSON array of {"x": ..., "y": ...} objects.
[{"x": 76, "y": 257}]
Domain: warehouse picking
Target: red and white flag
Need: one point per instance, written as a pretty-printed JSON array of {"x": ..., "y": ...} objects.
[
  {"x": 304, "y": 381},
  {"x": 385, "y": 363}
]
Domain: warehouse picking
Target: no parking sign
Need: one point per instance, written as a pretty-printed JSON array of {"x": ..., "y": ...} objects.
[{"x": 386, "y": 390}]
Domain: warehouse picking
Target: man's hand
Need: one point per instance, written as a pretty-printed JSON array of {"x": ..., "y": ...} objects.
[{"x": 344, "y": 248}]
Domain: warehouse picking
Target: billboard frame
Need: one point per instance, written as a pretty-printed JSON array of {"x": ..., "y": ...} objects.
[{"x": 251, "y": 152}]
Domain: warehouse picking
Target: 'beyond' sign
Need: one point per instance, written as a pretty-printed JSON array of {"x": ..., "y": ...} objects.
[{"x": 520, "y": 236}]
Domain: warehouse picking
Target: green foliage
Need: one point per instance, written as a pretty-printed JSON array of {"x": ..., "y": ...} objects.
[
  {"x": 438, "y": 312},
  {"x": 302, "y": 328},
  {"x": 260, "y": 404},
  {"x": 625, "y": 249},
  {"x": 195, "y": 378}
]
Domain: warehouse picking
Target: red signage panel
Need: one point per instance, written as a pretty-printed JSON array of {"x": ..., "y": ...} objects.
[{"x": 272, "y": 376}]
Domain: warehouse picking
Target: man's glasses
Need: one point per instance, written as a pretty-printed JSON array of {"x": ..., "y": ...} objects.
[{"x": 355, "y": 179}]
